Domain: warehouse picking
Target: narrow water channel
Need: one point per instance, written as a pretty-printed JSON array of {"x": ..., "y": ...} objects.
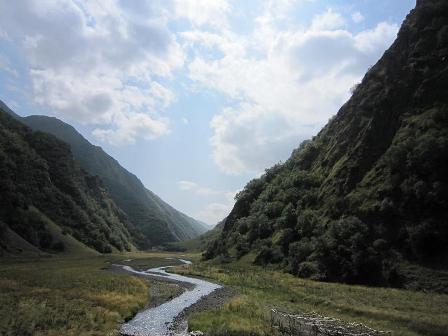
[{"x": 157, "y": 321}]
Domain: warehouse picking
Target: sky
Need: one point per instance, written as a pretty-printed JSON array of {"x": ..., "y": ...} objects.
[{"x": 195, "y": 97}]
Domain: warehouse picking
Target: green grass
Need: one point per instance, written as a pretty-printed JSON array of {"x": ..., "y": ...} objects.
[
  {"x": 404, "y": 312},
  {"x": 72, "y": 296},
  {"x": 79, "y": 296},
  {"x": 144, "y": 263}
]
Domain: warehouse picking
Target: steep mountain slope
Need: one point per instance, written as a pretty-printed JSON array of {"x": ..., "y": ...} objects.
[
  {"x": 6, "y": 109},
  {"x": 156, "y": 220},
  {"x": 43, "y": 191},
  {"x": 370, "y": 191}
]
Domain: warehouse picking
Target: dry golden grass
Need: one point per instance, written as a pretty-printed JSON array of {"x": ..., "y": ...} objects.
[{"x": 70, "y": 295}]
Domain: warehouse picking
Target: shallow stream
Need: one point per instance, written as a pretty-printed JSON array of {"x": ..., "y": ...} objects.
[{"x": 157, "y": 321}]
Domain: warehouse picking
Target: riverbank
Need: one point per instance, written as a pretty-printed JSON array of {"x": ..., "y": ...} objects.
[
  {"x": 81, "y": 296},
  {"x": 402, "y": 312},
  {"x": 212, "y": 301},
  {"x": 163, "y": 290},
  {"x": 66, "y": 296},
  {"x": 74, "y": 296},
  {"x": 159, "y": 320}
]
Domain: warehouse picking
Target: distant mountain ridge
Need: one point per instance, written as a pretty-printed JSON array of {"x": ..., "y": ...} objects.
[
  {"x": 48, "y": 203},
  {"x": 369, "y": 193},
  {"x": 158, "y": 222}
]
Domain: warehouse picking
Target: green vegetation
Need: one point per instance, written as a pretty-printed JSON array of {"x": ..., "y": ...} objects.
[
  {"x": 66, "y": 297},
  {"x": 76, "y": 295},
  {"x": 144, "y": 261},
  {"x": 404, "y": 312},
  {"x": 43, "y": 187},
  {"x": 363, "y": 202},
  {"x": 156, "y": 221},
  {"x": 82, "y": 296},
  {"x": 47, "y": 184},
  {"x": 198, "y": 244},
  {"x": 368, "y": 195}
]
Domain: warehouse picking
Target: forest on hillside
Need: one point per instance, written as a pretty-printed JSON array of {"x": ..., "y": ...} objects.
[
  {"x": 42, "y": 184},
  {"x": 370, "y": 191}
]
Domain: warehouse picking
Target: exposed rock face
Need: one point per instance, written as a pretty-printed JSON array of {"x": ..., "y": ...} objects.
[{"x": 371, "y": 189}]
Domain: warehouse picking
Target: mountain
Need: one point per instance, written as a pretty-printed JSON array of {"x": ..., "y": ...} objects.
[
  {"x": 48, "y": 203},
  {"x": 369, "y": 193},
  {"x": 6, "y": 109},
  {"x": 197, "y": 244},
  {"x": 155, "y": 219}
]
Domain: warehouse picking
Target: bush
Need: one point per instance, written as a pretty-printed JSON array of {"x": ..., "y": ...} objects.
[
  {"x": 3, "y": 228},
  {"x": 308, "y": 270},
  {"x": 45, "y": 240},
  {"x": 306, "y": 223},
  {"x": 299, "y": 252},
  {"x": 427, "y": 239},
  {"x": 268, "y": 255},
  {"x": 58, "y": 246},
  {"x": 283, "y": 238},
  {"x": 242, "y": 247}
]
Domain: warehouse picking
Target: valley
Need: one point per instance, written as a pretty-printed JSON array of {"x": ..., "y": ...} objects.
[
  {"x": 343, "y": 234},
  {"x": 83, "y": 296},
  {"x": 76, "y": 295}
]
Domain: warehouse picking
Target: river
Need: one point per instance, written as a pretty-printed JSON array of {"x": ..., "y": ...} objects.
[{"x": 157, "y": 321}]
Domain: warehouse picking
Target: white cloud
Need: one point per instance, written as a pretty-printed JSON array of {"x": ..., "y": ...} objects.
[
  {"x": 5, "y": 65},
  {"x": 278, "y": 9},
  {"x": 247, "y": 139},
  {"x": 97, "y": 62},
  {"x": 373, "y": 41},
  {"x": 214, "y": 211},
  {"x": 108, "y": 63},
  {"x": 132, "y": 126},
  {"x": 285, "y": 83},
  {"x": 357, "y": 17},
  {"x": 3, "y": 35},
  {"x": 203, "y": 12},
  {"x": 197, "y": 189},
  {"x": 329, "y": 20}
]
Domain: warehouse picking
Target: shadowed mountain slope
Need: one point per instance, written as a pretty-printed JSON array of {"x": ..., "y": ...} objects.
[
  {"x": 48, "y": 202},
  {"x": 155, "y": 219}
]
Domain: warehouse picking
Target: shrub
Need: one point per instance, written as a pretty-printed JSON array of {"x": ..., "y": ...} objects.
[
  {"x": 308, "y": 270},
  {"x": 299, "y": 252},
  {"x": 268, "y": 255},
  {"x": 58, "y": 246}
]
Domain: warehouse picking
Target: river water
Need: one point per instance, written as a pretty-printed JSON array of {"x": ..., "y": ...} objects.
[{"x": 158, "y": 320}]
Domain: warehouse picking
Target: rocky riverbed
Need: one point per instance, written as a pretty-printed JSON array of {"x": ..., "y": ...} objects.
[{"x": 169, "y": 318}]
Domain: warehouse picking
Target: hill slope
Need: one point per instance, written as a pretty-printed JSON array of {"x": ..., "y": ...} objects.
[
  {"x": 370, "y": 191},
  {"x": 155, "y": 219},
  {"x": 42, "y": 188},
  {"x": 197, "y": 244}
]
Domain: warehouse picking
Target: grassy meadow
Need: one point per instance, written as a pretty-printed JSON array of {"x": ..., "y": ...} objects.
[
  {"x": 80, "y": 296},
  {"x": 403, "y": 312},
  {"x": 71, "y": 296}
]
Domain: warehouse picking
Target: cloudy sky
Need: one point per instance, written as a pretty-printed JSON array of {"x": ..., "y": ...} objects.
[{"x": 195, "y": 97}]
